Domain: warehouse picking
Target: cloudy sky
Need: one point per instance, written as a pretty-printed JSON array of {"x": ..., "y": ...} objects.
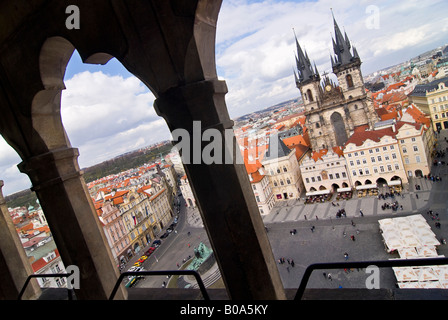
[{"x": 106, "y": 111}]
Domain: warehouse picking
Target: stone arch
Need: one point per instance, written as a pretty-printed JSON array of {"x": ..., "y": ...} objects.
[
  {"x": 170, "y": 47},
  {"x": 381, "y": 182},
  {"x": 46, "y": 105},
  {"x": 339, "y": 128}
]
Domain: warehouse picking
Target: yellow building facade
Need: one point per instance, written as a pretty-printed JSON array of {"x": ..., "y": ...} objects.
[{"x": 432, "y": 98}]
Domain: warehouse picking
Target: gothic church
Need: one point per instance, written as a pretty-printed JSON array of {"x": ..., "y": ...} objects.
[{"x": 333, "y": 111}]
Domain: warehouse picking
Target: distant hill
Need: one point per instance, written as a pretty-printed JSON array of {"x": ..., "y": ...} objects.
[{"x": 124, "y": 162}]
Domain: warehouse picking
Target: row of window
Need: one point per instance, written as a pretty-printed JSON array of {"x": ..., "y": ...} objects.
[
  {"x": 279, "y": 170},
  {"x": 382, "y": 169},
  {"x": 373, "y": 159},
  {"x": 391, "y": 147},
  {"x": 328, "y": 165},
  {"x": 441, "y": 107},
  {"x": 444, "y": 98},
  {"x": 330, "y": 176},
  {"x": 282, "y": 183}
]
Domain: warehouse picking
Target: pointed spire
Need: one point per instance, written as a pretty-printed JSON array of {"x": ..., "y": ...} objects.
[
  {"x": 296, "y": 78},
  {"x": 355, "y": 53},
  {"x": 304, "y": 68},
  {"x": 341, "y": 45},
  {"x": 315, "y": 69}
]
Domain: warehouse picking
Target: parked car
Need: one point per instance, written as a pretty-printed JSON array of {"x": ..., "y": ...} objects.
[
  {"x": 156, "y": 243},
  {"x": 150, "y": 251},
  {"x": 142, "y": 259},
  {"x": 166, "y": 234}
]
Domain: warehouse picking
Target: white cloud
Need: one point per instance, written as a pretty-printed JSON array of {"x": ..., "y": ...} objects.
[
  {"x": 255, "y": 42},
  {"x": 105, "y": 116}
]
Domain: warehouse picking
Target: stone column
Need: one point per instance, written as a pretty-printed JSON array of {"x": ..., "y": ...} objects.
[
  {"x": 66, "y": 203},
  {"x": 14, "y": 265},
  {"x": 223, "y": 193}
]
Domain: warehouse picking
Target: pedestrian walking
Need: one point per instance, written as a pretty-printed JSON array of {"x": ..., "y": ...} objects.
[
  {"x": 361, "y": 213},
  {"x": 329, "y": 277},
  {"x": 346, "y": 256}
]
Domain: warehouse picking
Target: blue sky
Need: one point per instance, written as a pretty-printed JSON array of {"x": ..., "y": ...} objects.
[{"x": 106, "y": 111}]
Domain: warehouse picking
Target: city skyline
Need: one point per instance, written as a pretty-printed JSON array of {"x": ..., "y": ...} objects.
[{"x": 255, "y": 56}]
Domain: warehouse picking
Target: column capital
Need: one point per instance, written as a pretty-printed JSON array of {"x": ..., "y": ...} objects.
[
  {"x": 199, "y": 101},
  {"x": 41, "y": 174}
]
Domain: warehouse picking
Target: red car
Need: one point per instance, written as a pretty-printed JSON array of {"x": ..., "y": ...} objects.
[{"x": 149, "y": 251}]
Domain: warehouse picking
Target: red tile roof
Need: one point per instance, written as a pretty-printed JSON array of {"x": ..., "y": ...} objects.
[
  {"x": 40, "y": 263},
  {"x": 359, "y": 137}
]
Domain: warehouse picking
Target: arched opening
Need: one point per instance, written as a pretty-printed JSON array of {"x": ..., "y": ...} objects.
[
  {"x": 339, "y": 128},
  {"x": 358, "y": 183},
  {"x": 310, "y": 95},
  {"x": 334, "y": 187},
  {"x": 418, "y": 173},
  {"x": 322, "y": 188},
  {"x": 349, "y": 81},
  {"x": 178, "y": 45},
  {"x": 381, "y": 182}
]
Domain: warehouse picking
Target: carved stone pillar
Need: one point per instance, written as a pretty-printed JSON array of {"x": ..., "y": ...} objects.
[
  {"x": 223, "y": 193},
  {"x": 14, "y": 265},
  {"x": 66, "y": 203}
]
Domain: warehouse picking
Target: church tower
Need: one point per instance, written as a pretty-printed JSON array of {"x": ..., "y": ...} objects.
[
  {"x": 307, "y": 80},
  {"x": 347, "y": 68},
  {"x": 334, "y": 111}
]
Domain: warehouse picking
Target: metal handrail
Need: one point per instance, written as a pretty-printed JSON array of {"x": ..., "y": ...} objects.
[
  {"x": 50, "y": 275},
  {"x": 161, "y": 273},
  {"x": 365, "y": 264}
]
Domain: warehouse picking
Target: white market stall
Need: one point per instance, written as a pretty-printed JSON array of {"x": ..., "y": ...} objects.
[{"x": 413, "y": 238}]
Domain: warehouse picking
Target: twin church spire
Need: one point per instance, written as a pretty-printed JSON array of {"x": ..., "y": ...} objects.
[
  {"x": 304, "y": 67},
  {"x": 342, "y": 56}
]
